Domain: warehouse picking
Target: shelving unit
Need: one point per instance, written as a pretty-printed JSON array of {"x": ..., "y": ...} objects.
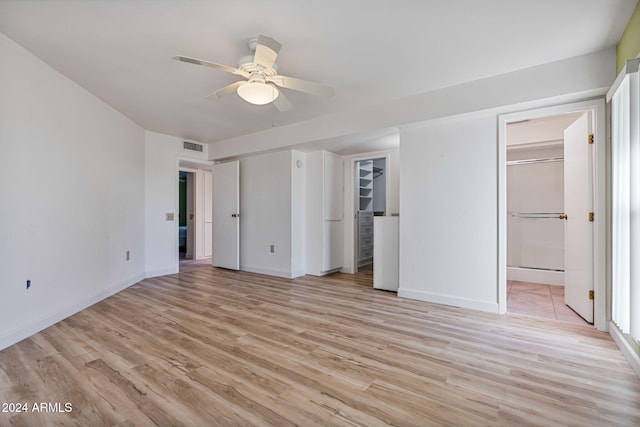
[
  {"x": 365, "y": 174},
  {"x": 365, "y": 237}
]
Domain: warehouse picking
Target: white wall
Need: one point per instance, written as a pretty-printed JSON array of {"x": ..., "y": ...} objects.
[
  {"x": 298, "y": 214},
  {"x": 72, "y": 191},
  {"x": 266, "y": 213},
  {"x": 448, "y": 212},
  {"x": 161, "y": 160}
]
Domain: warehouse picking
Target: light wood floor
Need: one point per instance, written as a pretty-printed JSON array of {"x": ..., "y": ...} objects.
[
  {"x": 215, "y": 347},
  {"x": 186, "y": 265}
]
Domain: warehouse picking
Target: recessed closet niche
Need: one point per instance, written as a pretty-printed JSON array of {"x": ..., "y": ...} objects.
[
  {"x": 536, "y": 199},
  {"x": 371, "y": 201}
]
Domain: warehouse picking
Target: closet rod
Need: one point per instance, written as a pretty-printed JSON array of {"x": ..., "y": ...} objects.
[
  {"x": 531, "y": 161},
  {"x": 558, "y": 215}
]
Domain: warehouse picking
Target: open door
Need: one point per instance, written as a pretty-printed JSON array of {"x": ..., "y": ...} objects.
[
  {"x": 578, "y": 207},
  {"x": 226, "y": 215},
  {"x": 190, "y": 216}
]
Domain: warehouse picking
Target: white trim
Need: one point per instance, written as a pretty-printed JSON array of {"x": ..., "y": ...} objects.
[
  {"x": 193, "y": 161},
  {"x": 185, "y": 169},
  {"x": 631, "y": 66},
  {"x": 488, "y": 306},
  {"x": 535, "y": 276},
  {"x": 269, "y": 272},
  {"x": 597, "y": 106},
  {"x": 19, "y": 334},
  {"x": 628, "y": 352},
  {"x": 326, "y": 273},
  {"x": 162, "y": 272}
]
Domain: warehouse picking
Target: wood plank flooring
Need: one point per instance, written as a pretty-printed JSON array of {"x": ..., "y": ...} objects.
[{"x": 216, "y": 347}]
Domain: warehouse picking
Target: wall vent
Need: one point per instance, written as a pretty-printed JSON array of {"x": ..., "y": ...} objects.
[{"x": 192, "y": 146}]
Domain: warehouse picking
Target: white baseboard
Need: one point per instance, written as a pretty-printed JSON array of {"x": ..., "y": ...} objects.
[
  {"x": 298, "y": 273},
  {"x": 448, "y": 300},
  {"x": 325, "y": 273},
  {"x": 38, "y": 325},
  {"x": 162, "y": 272},
  {"x": 535, "y": 276},
  {"x": 628, "y": 352},
  {"x": 270, "y": 272}
]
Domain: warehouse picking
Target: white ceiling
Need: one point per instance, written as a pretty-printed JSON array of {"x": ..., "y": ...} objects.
[{"x": 370, "y": 51}]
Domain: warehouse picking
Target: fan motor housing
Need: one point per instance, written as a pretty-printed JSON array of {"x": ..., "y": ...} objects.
[{"x": 246, "y": 64}]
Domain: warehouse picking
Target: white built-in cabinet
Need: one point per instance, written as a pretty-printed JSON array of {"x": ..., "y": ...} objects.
[{"x": 324, "y": 212}]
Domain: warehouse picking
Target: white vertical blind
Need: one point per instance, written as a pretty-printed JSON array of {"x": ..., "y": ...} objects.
[
  {"x": 634, "y": 190},
  {"x": 625, "y": 142},
  {"x": 621, "y": 204}
]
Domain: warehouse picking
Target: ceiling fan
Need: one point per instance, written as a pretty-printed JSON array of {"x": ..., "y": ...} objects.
[{"x": 262, "y": 78}]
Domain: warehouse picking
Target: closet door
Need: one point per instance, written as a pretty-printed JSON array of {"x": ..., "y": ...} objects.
[
  {"x": 226, "y": 215},
  {"x": 578, "y": 204}
]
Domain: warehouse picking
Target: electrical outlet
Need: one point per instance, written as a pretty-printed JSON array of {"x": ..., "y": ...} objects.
[
  {"x": 128, "y": 255},
  {"x": 28, "y": 284},
  {"x": 272, "y": 249}
]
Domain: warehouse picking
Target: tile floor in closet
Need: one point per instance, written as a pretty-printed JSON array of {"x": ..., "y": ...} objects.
[{"x": 539, "y": 300}]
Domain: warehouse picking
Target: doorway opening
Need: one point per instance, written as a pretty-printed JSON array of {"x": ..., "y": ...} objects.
[
  {"x": 370, "y": 200},
  {"x": 537, "y": 182},
  {"x": 195, "y": 200},
  {"x": 185, "y": 215},
  {"x": 551, "y": 207}
]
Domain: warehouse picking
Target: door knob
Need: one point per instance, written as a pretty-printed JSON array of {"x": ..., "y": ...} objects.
[
  {"x": 563, "y": 216},
  {"x": 235, "y": 215}
]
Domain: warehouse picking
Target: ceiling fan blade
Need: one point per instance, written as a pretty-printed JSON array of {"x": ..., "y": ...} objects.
[
  {"x": 300, "y": 85},
  {"x": 226, "y": 90},
  {"x": 212, "y": 65},
  {"x": 282, "y": 103},
  {"x": 266, "y": 52}
]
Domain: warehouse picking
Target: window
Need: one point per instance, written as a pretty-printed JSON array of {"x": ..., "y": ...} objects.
[{"x": 625, "y": 147}]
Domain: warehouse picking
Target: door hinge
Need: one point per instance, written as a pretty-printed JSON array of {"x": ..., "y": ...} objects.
[
  {"x": 591, "y": 217},
  {"x": 590, "y": 294},
  {"x": 590, "y": 138}
]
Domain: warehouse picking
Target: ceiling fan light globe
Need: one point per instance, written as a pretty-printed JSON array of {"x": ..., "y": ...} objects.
[{"x": 258, "y": 93}]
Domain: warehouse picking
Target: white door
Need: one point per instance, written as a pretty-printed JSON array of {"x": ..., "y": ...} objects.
[
  {"x": 208, "y": 214},
  {"x": 578, "y": 203},
  {"x": 226, "y": 215}
]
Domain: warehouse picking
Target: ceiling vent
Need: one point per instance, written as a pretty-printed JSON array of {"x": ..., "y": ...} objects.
[{"x": 192, "y": 146}]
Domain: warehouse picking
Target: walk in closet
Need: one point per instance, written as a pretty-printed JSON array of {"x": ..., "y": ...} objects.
[{"x": 371, "y": 195}]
